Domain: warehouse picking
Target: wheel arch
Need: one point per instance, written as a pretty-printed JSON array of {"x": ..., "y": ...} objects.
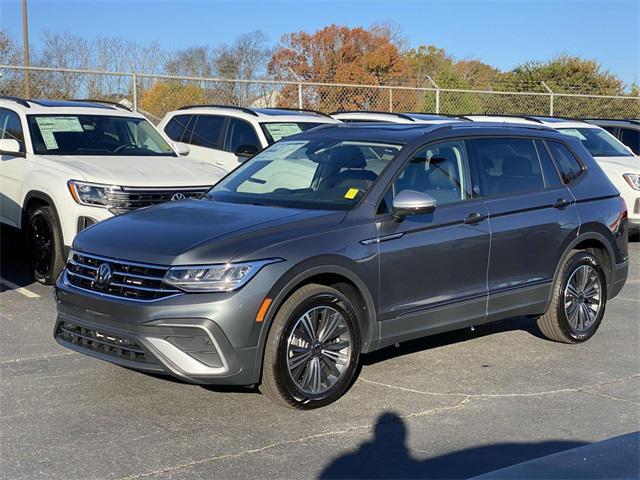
[
  {"x": 329, "y": 274},
  {"x": 596, "y": 244},
  {"x": 34, "y": 199}
]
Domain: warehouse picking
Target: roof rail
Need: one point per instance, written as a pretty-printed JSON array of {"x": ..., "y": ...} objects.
[
  {"x": 106, "y": 102},
  {"x": 317, "y": 112},
  {"x": 504, "y": 115},
  {"x": 22, "y": 101},
  {"x": 233, "y": 107},
  {"x": 444, "y": 115},
  {"x": 376, "y": 112}
]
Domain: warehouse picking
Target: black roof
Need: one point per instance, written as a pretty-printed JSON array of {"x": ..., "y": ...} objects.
[{"x": 405, "y": 132}]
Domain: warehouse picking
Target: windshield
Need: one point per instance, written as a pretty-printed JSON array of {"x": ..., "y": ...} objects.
[
  {"x": 95, "y": 135},
  {"x": 316, "y": 174},
  {"x": 275, "y": 131},
  {"x": 598, "y": 142}
]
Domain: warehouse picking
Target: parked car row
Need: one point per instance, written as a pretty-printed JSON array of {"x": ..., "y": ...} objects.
[{"x": 302, "y": 241}]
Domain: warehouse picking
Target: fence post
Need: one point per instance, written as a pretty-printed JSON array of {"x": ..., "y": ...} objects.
[
  {"x": 134, "y": 79},
  {"x": 390, "y": 99},
  {"x": 551, "y": 97},
  {"x": 435, "y": 85},
  {"x": 300, "y": 95}
]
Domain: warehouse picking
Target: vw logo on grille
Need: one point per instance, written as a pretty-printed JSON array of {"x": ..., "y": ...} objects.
[
  {"x": 178, "y": 196},
  {"x": 103, "y": 275}
]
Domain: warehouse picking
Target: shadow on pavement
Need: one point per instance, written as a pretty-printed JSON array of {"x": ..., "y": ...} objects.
[
  {"x": 14, "y": 264},
  {"x": 387, "y": 456},
  {"x": 526, "y": 324}
]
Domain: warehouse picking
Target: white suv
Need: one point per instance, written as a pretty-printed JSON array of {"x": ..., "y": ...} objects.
[
  {"x": 65, "y": 165},
  {"x": 227, "y": 136},
  {"x": 616, "y": 159},
  {"x": 627, "y": 131}
]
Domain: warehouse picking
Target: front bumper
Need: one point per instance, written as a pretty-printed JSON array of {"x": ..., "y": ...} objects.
[{"x": 200, "y": 338}]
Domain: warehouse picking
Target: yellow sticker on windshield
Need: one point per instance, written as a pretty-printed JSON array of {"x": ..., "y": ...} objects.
[{"x": 351, "y": 193}]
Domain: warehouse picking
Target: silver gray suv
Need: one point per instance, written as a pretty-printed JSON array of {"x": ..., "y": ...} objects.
[{"x": 343, "y": 240}]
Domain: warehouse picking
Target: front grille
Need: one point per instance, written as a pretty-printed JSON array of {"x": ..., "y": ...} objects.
[
  {"x": 129, "y": 198},
  {"x": 102, "y": 342},
  {"x": 128, "y": 280}
]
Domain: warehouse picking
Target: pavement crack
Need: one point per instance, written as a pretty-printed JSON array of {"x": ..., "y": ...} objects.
[
  {"x": 301, "y": 440},
  {"x": 502, "y": 395}
]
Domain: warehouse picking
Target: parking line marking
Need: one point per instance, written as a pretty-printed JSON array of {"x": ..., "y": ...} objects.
[{"x": 21, "y": 290}]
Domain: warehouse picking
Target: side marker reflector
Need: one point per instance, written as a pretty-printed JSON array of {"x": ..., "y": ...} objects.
[{"x": 263, "y": 310}]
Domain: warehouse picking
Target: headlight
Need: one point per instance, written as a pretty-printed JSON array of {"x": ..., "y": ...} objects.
[
  {"x": 215, "y": 278},
  {"x": 633, "y": 179},
  {"x": 91, "y": 194}
]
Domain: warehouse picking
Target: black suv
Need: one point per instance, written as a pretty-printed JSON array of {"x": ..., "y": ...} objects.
[{"x": 343, "y": 240}]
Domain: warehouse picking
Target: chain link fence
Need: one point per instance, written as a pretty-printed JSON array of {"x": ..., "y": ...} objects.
[{"x": 154, "y": 95}]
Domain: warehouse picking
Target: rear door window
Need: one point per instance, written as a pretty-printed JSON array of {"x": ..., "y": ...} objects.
[
  {"x": 176, "y": 126},
  {"x": 207, "y": 131},
  {"x": 567, "y": 164},
  {"x": 507, "y": 165}
]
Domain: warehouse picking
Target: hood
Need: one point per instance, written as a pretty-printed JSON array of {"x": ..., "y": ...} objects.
[
  {"x": 203, "y": 231},
  {"x": 134, "y": 171},
  {"x": 619, "y": 164}
]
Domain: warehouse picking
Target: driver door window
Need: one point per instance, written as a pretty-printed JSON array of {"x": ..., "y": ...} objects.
[
  {"x": 440, "y": 170},
  {"x": 10, "y": 127},
  {"x": 241, "y": 133}
]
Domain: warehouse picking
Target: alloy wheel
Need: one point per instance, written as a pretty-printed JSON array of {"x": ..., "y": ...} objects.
[
  {"x": 583, "y": 298},
  {"x": 318, "y": 350}
]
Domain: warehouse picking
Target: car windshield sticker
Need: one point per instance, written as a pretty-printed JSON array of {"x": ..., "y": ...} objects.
[
  {"x": 282, "y": 130},
  {"x": 50, "y": 125},
  {"x": 351, "y": 193}
]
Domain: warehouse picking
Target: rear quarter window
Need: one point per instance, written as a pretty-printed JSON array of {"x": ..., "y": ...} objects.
[{"x": 568, "y": 166}]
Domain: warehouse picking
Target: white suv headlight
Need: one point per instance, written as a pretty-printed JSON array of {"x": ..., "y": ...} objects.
[
  {"x": 633, "y": 179},
  {"x": 91, "y": 194},
  {"x": 215, "y": 278}
]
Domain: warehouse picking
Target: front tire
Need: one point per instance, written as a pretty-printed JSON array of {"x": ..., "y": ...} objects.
[
  {"x": 44, "y": 240},
  {"x": 578, "y": 300},
  {"x": 313, "y": 348}
]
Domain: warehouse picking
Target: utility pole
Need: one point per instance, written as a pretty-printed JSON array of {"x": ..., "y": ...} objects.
[{"x": 25, "y": 50}]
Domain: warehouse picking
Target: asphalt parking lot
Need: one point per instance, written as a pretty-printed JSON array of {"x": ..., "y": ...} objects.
[{"x": 450, "y": 406}]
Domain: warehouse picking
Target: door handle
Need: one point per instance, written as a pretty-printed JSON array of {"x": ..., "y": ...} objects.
[
  {"x": 474, "y": 217},
  {"x": 561, "y": 203}
]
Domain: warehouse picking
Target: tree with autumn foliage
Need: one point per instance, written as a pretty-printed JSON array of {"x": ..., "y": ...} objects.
[{"x": 339, "y": 54}]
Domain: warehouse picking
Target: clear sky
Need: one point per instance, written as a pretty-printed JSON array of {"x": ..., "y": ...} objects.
[{"x": 502, "y": 33}]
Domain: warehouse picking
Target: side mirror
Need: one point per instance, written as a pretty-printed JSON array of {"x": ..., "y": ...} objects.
[
  {"x": 9, "y": 146},
  {"x": 181, "y": 149},
  {"x": 246, "y": 150},
  {"x": 411, "y": 202}
]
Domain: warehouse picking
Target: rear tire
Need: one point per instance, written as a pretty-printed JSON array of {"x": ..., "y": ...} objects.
[
  {"x": 45, "y": 244},
  {"x": 578, "y": 300},
  {"x": 313, "y": 348}
]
